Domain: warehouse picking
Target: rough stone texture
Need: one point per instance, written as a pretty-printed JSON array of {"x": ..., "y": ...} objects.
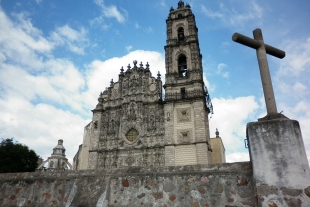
[
  {"x": 162, "y": 186},
  {"x": 307, "y": 191},
  {"x": 280, "y": 166}
]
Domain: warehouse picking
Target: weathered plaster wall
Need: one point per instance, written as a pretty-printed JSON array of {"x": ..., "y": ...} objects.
[
  {"x": 218, "y": 150},
  {"x": 201, "y": 185},
  {"x": 280, "y": 166}
]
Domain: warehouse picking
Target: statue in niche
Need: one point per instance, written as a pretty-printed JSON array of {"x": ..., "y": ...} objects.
[
  {"x": 134, "y": 82},
  {"x": 130, "y": 158},
  {"x": 152, "y": 85},
  {"x": 120, "y": 162},
  {"x": 111, "y": 127},
  {"x": 109, "y": 162},
  {"x": 152, "y": 120},
  {"x": 132, "y": 113}
]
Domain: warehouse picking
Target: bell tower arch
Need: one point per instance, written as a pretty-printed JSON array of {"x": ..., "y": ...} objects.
[{"x": 187, "y": 103}]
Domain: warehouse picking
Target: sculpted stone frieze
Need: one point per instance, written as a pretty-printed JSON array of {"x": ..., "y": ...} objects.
[{"x": 131, "y": 126}]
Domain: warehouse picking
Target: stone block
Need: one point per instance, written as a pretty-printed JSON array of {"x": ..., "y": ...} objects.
[{"x": 278, "y": 154}]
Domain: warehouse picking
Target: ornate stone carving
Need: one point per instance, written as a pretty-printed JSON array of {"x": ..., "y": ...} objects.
[
  {"x": 185, "y": 135},
  {"x": 132, "y": 103},
  {"x": 130, "y": 160},
  {"x": 132, "y": 113},
  {"x": 184, "y": 115}
]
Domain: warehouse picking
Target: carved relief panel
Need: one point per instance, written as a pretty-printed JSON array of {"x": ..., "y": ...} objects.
[
  {"x": 132, "y": 123},
  {"x": 184, "y": 115},
  {"x": 185, "y": 135}
]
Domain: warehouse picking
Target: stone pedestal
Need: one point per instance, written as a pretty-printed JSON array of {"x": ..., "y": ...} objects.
[{"x": 280, "y": 166}]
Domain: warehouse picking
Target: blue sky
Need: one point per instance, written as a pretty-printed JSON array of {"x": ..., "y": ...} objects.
[{"x": 56, "y": 56}]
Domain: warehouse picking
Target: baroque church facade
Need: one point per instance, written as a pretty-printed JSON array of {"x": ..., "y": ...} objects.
[{"x": 135, "y": 123}]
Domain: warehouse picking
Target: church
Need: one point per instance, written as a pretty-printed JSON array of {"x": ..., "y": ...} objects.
[
  {"x": 144, "y": 132},
  {"x": 138, "y": 121}
]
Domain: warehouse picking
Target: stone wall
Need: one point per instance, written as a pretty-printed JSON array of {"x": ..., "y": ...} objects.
[{"x": 201, "y": 185}]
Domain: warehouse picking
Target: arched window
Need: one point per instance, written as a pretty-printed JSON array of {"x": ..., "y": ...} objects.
[
  {"x": 181, "y": 34},
  {"x": 182, "y": 66},
  {"x": 132, "y": 135}
]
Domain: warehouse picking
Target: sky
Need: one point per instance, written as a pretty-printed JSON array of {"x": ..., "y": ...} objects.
[{"x": 57, "y": 56}]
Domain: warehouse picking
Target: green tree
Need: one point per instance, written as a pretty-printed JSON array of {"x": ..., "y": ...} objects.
[{"x": 16, "y": 157}]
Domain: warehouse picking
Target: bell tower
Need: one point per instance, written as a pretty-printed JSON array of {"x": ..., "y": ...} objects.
[{"x": 187, "y": 102}]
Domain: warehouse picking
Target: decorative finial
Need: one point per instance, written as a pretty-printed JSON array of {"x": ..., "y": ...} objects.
[
  {"x": 147, "y": 65},
  {"x": 217, "y": 133},
  {"x": 111, "y": 82},
  {"x": 128, "y": 66},
  {"x": 180, "y": 4},
  {"x": 158, "y": 75},
  {"x": 122, "y": 70},
  {"x": 171, "y": 9},
  {"x": 135, "y": 63},
  {"x": 141, "y": 65}
]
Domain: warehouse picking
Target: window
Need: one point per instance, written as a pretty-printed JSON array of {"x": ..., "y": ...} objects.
[
  {"x": 181, "y": 34},
  {"x": 132, "y": 135},
  {"x": 183, "y": 95},
  {"x": 182, "y": 66}
]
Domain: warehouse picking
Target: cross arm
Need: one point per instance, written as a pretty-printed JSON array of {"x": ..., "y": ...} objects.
[{"x": 244, "y": 40}]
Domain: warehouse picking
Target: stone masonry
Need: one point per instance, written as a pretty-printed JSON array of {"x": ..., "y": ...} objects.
[
  {"x": 215, "y": 185},
  {"x": 136, "y": 124}
]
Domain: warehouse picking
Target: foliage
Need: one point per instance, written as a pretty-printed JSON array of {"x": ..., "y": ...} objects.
[{"x": 16, "y": 157}]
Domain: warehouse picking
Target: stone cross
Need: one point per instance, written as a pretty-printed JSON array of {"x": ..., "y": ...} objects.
[{"x": 261, "y": 50}]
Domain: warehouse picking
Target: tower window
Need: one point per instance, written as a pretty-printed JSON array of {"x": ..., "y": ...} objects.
[
  {"x": 182, "y": 66},
  {"x": 179, "y": 15},
  {"x": 183, "y": 93},
  {"x": 181, "y": 34}
]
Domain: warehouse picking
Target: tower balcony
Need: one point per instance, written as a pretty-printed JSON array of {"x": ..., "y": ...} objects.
[{"x": 184, "y": 95}]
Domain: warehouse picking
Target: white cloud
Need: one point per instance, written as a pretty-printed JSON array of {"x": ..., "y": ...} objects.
[
  {"x": 40, "y": 126},
  {"x": 21, "y": 42},
  {"x": 210, "y": 13},
  {"x": 162, "y": 3},
  {"x": 145, "y": 29},
  {"x": 292, "y": 78},
  {"x": 235, "y": 14},
  {"x": 299, "y": 89},
  {"x": 230, "y": 117},
  {"x": 149, "y": 29},
  {"x": 220, "y": 70},
  {"x": 297, "y": 58},
  {"x": 111, "y": 11},
  {"x": 76, "y": 41},
  {"x": 238, "y": 157},
  {"x": 31, "y": 80},
  {"x": 128, "y": 48}
]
